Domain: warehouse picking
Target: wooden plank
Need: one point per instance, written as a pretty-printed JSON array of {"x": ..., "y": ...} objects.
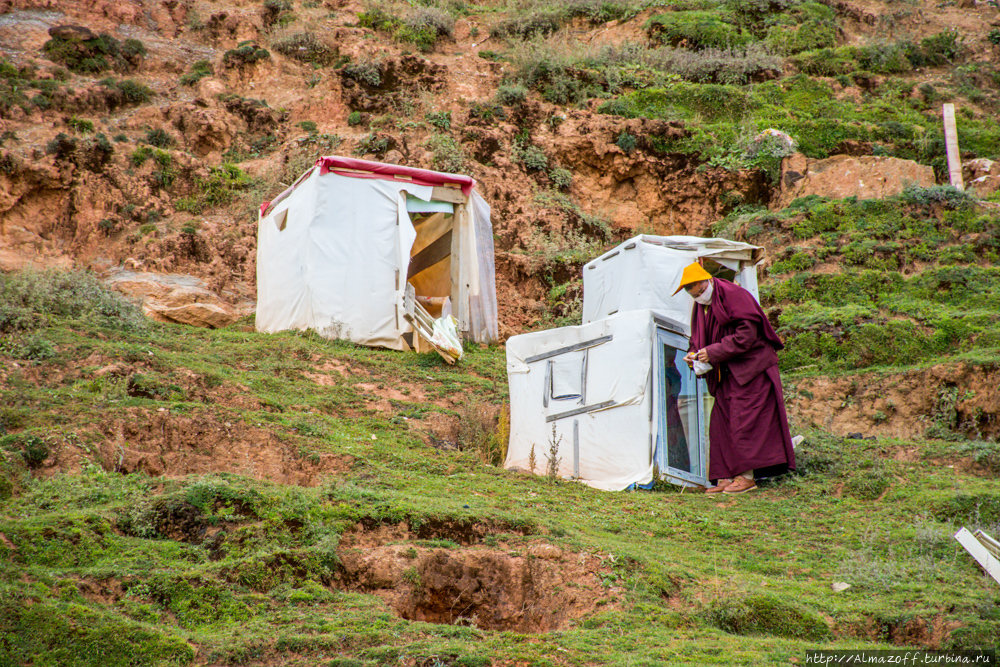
[
  {"x": 438, "y": 250},
  {"x": 448, "y": 195},
  {"x": 951, "y": 147},
  {"x": 580, "y": 411},
  {"x": 569, "y": 348}
]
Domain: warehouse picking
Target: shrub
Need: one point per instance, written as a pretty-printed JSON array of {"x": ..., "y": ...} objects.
[
  {"x": 511, "y": 94},
  {"x": 159, "y": 138},
  {"x": 132, "y": 92},
  {"x": 439, "y": 119},
  {"x": 32, "y": 449},
  {"x": 140, "y": 155},
  {"x": 90, "y": 56},
  {"x": 28, "y": 299},
  {"x": 994, "y": 37},
  {"x": 767, "y": 615},
  {"x": 245, "y": 53},
  {"x": 527, "y": 26},
  {"x": 354, "y": 118},
  {"x": 307, "y": 126},
  {"x": 199, "y": 70},
  {"x": 788, "y": 40},
  {"x": 368, "y": 72},
  {"x": 430, "y": 18},
  {"x": 448, "y": 154},
  {"x": 372, "y": 143},
  {"x": 486, "y": 111},
  {"x": 561, "y": 178},
  {"x": 946, "y": 196},
  {"x": 737, "y": 66},
  {"x": 627, "y": 142},
  {"x": 133, "y": 48},
  {"x": 531, "y": 156},
  {"x": 695, "y": 30},
  {"x": 936, "y": 50},
  {"x": 61, "y": 146},
  {"x": 80, "y": 125},
  {"x": 304, "y": 46},
  {"x": 223, "y": 184}
]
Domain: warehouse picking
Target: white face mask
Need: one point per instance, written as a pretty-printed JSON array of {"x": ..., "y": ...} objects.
[{"x": 705, "y": 297}]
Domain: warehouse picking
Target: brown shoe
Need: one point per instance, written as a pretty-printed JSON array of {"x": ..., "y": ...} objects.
[
  {"x": 740, "y": 485},
  {"x": 719, "y": 486}
]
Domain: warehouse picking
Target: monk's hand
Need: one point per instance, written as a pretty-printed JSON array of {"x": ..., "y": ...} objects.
[
  {"x": 690, "y": 357},
  {"x": 702, "y": 355}
]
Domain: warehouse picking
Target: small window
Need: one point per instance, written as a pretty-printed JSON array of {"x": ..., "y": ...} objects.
[
  {"x": 567, "y": 376},
  {"x": 281, "y": 220}
]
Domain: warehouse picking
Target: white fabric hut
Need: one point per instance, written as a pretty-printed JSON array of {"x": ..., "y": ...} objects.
[
  {"x": 338, "y": 251},
  {"x": 614, "y": 393}
]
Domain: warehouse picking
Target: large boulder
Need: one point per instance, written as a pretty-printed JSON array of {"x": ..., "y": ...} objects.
[
  {"x": 178, "y": 299},
  {"x": 839, "y": 176}
]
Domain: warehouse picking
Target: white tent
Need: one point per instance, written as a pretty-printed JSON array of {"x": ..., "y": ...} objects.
[
  {"x": 338, "y": 251},
  {"x": 614, "y": 393}
]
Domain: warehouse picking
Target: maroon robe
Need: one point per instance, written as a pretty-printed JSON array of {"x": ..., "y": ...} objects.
[{"x": 749, "y": 427}]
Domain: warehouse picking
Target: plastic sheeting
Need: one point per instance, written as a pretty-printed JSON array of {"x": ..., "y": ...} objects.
[
  {"x": 333, "y": 253},
  {"x": 483, "y": 295},
  {"x": 615, "y": 442},
  {"x": 644, "y": 271}
]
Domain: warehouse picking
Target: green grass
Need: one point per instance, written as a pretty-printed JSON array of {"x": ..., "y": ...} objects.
[{"x": 226, "y": 569}]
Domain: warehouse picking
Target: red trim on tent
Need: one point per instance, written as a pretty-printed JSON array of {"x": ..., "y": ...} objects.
[{"x": 345, "y": 166}]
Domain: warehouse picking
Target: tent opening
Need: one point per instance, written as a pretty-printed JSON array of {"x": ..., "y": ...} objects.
[
  {"x": 430, "y": 257},
  {"x": 717, "y": 270},
  {"x": 682, "y": 412}
]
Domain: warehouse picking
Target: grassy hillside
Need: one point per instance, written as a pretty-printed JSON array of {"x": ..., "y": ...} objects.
[{"x": 394, "y": 526}]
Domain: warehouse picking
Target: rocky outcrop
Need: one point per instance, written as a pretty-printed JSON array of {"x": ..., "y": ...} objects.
[
  {"x": 839, "y": 176},
  {"x": 981, "y": 176},
  {"x": 178, "y": 299}
]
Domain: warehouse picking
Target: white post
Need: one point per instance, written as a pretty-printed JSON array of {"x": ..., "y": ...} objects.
[{"x": 951, "y": 146}]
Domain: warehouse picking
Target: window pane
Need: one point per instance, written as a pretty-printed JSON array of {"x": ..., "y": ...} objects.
[{"x": 681, "y": 396}]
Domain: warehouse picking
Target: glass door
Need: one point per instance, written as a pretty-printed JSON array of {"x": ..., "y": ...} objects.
[{"x": 681, "y": 442}]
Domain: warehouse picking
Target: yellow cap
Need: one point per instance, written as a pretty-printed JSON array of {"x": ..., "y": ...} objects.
[{"x": 693, "y": 273}]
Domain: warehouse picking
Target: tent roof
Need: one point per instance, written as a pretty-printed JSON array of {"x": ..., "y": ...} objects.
[{"x": 354, "y": 168}]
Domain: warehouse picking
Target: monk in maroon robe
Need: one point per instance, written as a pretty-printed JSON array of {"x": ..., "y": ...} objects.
[{"x": 748, "y": 432}]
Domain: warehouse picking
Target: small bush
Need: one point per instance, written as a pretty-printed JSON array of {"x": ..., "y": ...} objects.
[
  {"x": 132, "y": 92},
  {"x": 368, "y": 72},
  {"x": 695, "y": 30},
  {"x": 767, "y": 615},
  {"x": 527, "y": 26},
  {"x": 199, "y": 70},
  {"x": 28, "y": 299},
  {"x": 486, "y": 111},
  {"x": 627, "y": 142},
  {"x": 372, "y": 143},
  {"x": 448, "y": 154},
  {"x": 91, "y": 56},
  {"x": 307, "y": 126},
  {"x": 80, "y": 125},
  {"x": 431, "y": 18},
  {"x": 140, "y": 155},
  {"x": 561, "y": 178},
  {"x": 159, "y": 138},
  {"x": 946, "y": 196},
  {"x": 511, "y": 95},
  {"x": 61, "y": 146},
  {"x": 245, "y": 53},
  {"x": 354, "y": 118},
  {"x": 531, "y": 156},
  {"x": 304, "y": 46},
  {"x": 439, "y": 119},
  {"x": 32, "y": 449}
]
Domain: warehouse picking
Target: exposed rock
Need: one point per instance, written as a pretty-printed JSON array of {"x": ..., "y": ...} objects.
[
  {"x": 839, "y": 176},
  {"x": 179, "y": 299},
  {"x": 982, "y": 176}
]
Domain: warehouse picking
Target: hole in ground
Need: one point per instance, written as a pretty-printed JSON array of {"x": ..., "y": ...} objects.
[{"x": 536, "y": 589}]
